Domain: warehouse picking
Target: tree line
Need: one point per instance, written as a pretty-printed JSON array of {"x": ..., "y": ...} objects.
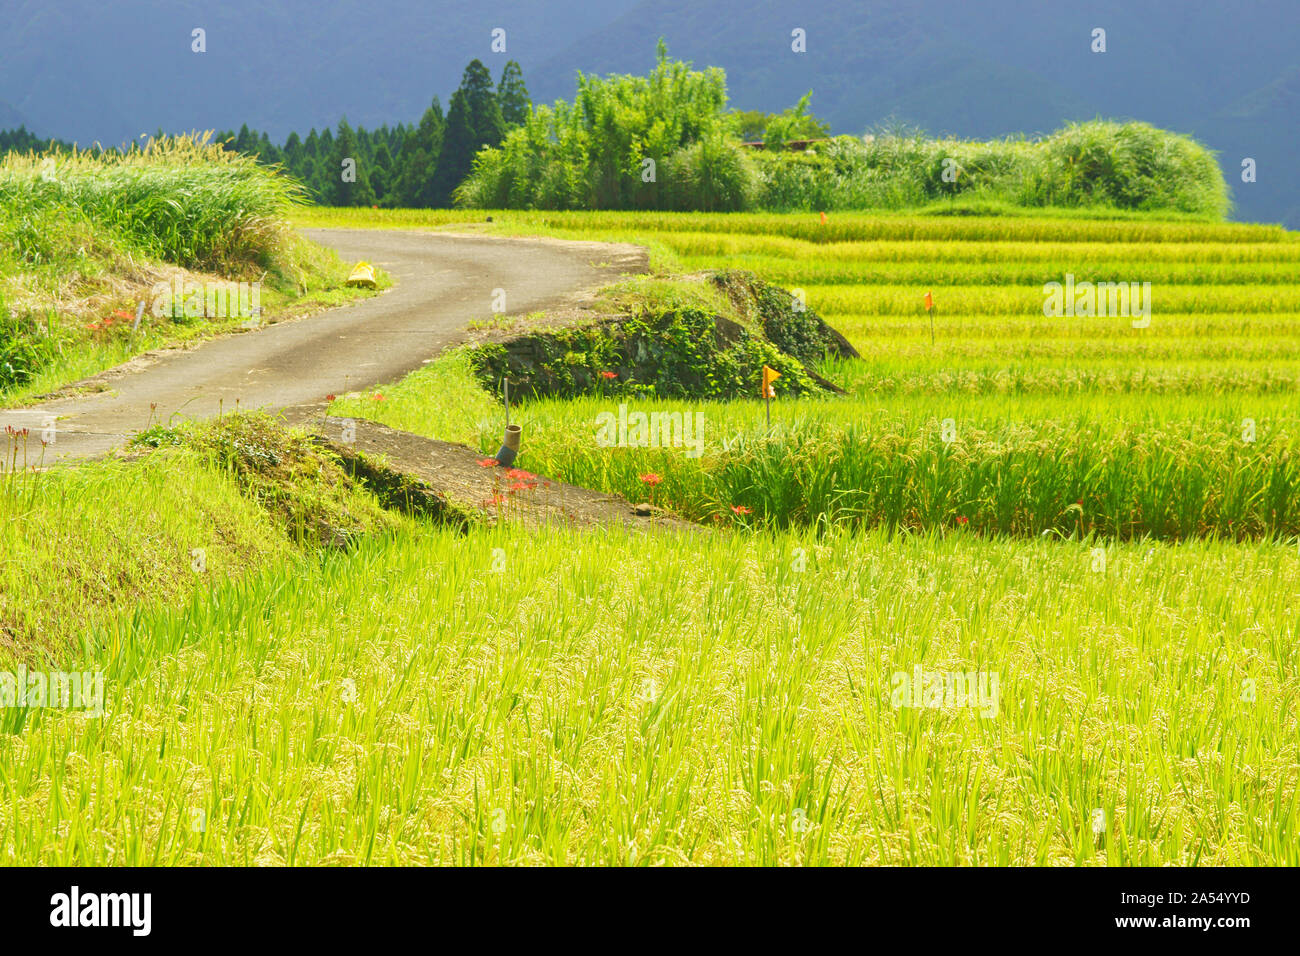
[
  {"x": 408, "y": 166},
  {"x": 668, "y": 140},
  {"x": 402, "y": 166}
]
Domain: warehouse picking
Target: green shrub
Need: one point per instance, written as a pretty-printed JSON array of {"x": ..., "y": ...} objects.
[
  {"x": 710, "y": 175},
  {"x": 1126, "y": 166},
  {"x": 592, "y": 153},
  {"x": 1131, "y": 166}
]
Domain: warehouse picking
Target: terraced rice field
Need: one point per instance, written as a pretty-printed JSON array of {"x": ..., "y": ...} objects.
[
  {"x": 1176, "y": 424},
  {"x": 1025, "y": 595}
]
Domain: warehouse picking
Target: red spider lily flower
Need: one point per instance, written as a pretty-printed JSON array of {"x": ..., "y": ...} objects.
[
  {"x": 742, "y": 510},
  {"x": 487, "y": 462},
  {"x": 93, "y": 326},
  {"x": 378, "y": 397},
  {"x": 609, "y": 374},
  {"x": 519, "y": 474},
  {"x": 329, "y": 398},
  {"x": 962, "y": 520},
  {"x": 651, "y": 479},
  {"x": 123, "y": 314}
]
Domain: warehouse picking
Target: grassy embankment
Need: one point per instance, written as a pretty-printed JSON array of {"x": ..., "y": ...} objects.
[{"x": 84, "y": 238}]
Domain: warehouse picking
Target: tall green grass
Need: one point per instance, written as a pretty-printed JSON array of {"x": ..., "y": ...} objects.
[{"x": 181, "y": 200}]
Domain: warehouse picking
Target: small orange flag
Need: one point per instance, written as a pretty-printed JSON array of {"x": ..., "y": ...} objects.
[
  {"x": 770, "y": 375},
  {"x": 823, "y": 219},
  {"x": 929, "y": 302}
]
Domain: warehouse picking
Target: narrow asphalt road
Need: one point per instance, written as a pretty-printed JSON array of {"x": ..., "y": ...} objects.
[{"x": 441, "y": 283}]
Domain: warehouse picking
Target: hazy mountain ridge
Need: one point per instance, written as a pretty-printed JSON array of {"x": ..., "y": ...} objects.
[{"x": 1226, "y": 74}]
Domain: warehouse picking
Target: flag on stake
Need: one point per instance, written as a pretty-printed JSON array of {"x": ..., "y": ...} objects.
[
  {"x": 823, "y": 219},
  {"x": 770, "y": 375},
  {"x": 929, "y": 302},
  {"x": 929, "y": 310}
]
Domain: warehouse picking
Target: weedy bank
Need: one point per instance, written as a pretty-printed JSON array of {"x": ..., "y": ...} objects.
[{"x": 86, "y": 237}]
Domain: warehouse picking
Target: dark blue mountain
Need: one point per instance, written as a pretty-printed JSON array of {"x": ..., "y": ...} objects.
[{"x": 1227, "y": 73}]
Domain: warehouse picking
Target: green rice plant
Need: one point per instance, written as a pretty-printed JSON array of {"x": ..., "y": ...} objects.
[
  {"x": 931, "y": 375},
  {"x": 1016, "y": 225},
  {"x": 1076, "y": 467},
  {"x": 650, "y": 700},
  {"x": 776, "y": 249},
  {"x": 833, "y": 270},
  {"x": 959, "y": 301},
  {"x": 957, "y": 333},
  {"x": 991, "y": 350}
]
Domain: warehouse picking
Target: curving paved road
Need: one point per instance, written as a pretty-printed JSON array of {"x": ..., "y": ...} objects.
[{"x": 441, "y": 282}]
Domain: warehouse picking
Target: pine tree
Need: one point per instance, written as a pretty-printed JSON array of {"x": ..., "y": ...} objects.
[
  {"x": 267, "y": 154},
  {"x": 484, "y": 110},
  {"x": 381, "y": 172},
  {"x": 418, "y": 159},
  {"x": 512, "y": 95},
  {"x": 473, "y": 121},
  {"x": 354, "y": 190},
  {"x": 293, "y": 152},
  {"x": 457, "y": 155}
]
